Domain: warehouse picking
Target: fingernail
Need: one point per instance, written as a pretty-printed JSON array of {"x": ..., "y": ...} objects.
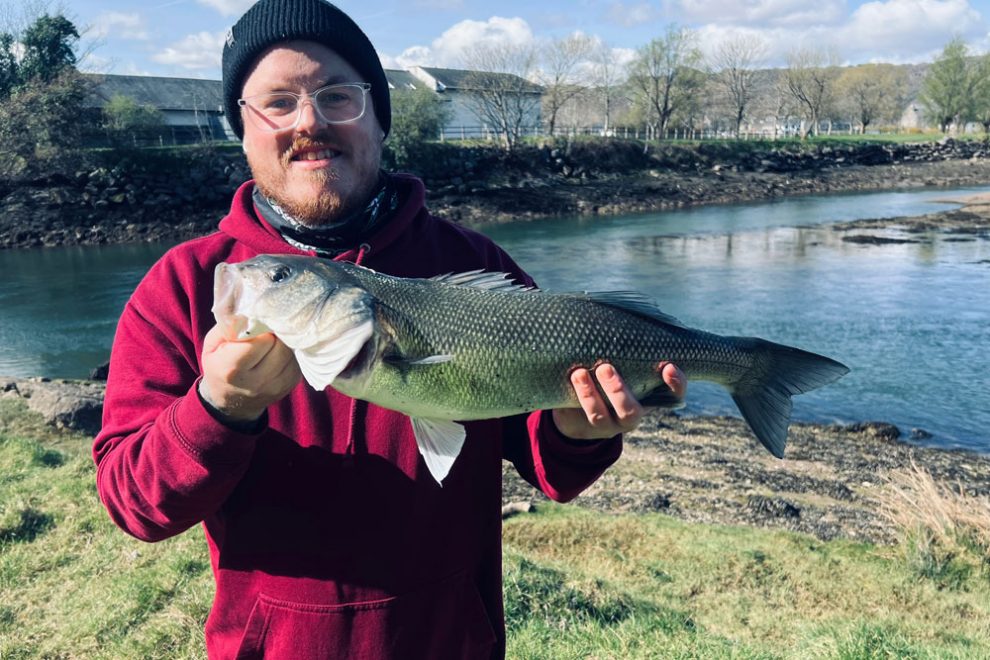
[{"x": 606, "y": 371}]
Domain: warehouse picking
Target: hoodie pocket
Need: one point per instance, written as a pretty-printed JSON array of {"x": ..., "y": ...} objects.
[{"x": 444, "y": 620}]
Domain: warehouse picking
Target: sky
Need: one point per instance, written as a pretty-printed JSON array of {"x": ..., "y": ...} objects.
[{"x": 183, "y": 38}]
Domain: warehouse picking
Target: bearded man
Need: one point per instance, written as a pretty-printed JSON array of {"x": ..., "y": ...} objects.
[{"x": 328, "y": 536}]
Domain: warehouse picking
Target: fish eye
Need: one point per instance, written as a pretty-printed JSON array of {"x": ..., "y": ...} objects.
[{"x": 279, "y": 273}]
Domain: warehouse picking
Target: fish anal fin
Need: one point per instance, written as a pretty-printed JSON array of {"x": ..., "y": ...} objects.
[
  {"x": 662, "y": 397},
  {"x": 440, "y": 442}
]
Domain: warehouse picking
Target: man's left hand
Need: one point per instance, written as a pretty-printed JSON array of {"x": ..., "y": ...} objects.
[{"x": 617, "y": 412}]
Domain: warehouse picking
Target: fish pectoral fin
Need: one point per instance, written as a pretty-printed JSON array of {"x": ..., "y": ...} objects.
[
  {"x": 402, "y": 361},
  {"x": 440, "y": 442},
  {"x": 321, "y": 363},
  {"x": 662, "y": 397}
]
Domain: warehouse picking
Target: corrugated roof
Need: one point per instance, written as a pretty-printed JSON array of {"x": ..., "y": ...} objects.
[
  {"x": 402, "y": 79},
  {"x": 162, "y": 93},
  {"x": 461, "y": 78}
]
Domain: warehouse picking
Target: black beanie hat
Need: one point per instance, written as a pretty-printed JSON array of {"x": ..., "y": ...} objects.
[{"x": 269, "y": 22}]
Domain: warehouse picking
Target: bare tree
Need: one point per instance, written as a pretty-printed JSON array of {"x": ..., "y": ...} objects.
[
  {"x": 736, "y": 75},
  {"x": 810, "y": 78},
  {"x": 605, "y": 77},
  {"x": 559, "y": 74},
  {"x": 666, "y": 75},
  {"x": 500, "y": 93},
  {"x": 872, "y": 93}
]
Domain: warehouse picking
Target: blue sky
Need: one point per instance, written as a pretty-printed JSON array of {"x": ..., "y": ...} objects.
[{"x": 183, "y": 37}]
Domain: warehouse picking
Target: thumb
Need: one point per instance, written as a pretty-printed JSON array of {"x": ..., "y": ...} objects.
[{"x": 213, "y": 340}]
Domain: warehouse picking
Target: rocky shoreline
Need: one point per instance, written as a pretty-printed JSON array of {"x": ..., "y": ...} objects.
[
  {"x": 712, "y": 470},
  {"x": 138, "y": 201},
  {"x": 702, "y": 469}
]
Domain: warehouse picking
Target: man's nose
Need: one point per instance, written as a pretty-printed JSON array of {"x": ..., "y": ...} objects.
[{"x": 309, "y": 118}]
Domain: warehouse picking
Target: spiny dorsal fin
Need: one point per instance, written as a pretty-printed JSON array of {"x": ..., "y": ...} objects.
[
  {"x": 633, "y": 302},
  {"x": 482, "y": 279}
]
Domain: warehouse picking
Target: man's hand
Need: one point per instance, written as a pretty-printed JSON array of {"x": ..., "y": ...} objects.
[
  {"x": 242, "y": 378},
  {"x": 618, "y": 412}
]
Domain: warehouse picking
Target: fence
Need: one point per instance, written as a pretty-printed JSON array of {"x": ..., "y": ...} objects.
[{"x": 483, "y": 132}]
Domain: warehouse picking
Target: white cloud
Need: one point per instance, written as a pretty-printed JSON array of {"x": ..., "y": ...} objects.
[
  {"x": 900, "y": 28},
  {"x": 758, "y": 12},
  {"x": 449, "y": 48},
  {"x": 895, "y": 31},
  {"x": 228, "y": 7},
  {"x": 632, "y": 15},
  {"x": 120, "y": 25},
  {"x": 197, "y": 51}
]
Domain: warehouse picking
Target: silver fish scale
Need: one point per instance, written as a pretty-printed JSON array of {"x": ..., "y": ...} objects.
[{"x": 512, "y": 351}]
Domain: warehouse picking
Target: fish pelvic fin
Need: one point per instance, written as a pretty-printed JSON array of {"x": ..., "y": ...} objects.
[
  {"x": 440, "y": 442},
  {"x": 764, "y": 394}
]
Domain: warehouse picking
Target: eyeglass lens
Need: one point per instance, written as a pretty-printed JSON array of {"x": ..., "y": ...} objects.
[{"x": 335, "y": 104}]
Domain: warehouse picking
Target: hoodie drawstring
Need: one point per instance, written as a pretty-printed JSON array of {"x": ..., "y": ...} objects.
[{"x": 357, "y": 405}]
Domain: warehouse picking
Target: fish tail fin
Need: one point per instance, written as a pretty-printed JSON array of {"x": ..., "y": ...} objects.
[{"x": 764, "y": 393}]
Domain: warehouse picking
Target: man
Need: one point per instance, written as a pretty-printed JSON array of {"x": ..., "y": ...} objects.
[{"x": 328, "y": 537}]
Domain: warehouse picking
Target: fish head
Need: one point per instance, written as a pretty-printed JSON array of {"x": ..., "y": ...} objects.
[{"x": 313, "y": 305}]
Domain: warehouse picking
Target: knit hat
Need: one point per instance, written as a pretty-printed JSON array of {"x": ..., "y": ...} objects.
[{"x": 269, "y": 22}]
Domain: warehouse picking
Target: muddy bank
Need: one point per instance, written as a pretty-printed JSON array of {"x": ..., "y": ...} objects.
[
  {"x": 661, "y": 190},
  {"x": 712, "y": 470},
  {"x": 137, "y": 198}
]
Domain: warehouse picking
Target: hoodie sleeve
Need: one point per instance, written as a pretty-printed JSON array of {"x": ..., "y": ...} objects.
[
  {"x": 163, "y": 462},
  {"x": 560, "y": 467}
]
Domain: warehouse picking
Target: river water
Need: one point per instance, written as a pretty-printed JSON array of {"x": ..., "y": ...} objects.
[{"x": 911, "y": 320}]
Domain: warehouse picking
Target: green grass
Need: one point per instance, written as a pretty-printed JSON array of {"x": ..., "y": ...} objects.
[{"x": 578, "y": 584}]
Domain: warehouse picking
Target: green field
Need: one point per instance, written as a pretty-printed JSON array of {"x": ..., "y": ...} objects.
[{"x": 578, "y": 584}]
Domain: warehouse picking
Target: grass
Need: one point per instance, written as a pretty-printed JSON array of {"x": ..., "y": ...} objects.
[{"x": 578, "y": 584}]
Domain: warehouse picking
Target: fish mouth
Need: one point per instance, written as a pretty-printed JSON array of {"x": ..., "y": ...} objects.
[{"x": 228, "y": 288}]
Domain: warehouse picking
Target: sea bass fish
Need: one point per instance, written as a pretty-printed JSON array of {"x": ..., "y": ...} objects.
[{"x": 476, "y": 346}]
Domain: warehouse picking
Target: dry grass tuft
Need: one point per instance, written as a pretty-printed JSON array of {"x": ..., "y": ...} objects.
[{"x": 946, "y": 532}]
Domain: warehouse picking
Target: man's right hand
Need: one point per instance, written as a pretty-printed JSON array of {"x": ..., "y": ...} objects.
[{"x": 242, "y": 378}]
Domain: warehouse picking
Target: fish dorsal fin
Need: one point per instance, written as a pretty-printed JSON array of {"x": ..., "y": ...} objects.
[
  {"x": 322, "y": 362},
  {"x": 633, "y": 302},
  {"x": 482, "y": 279},
  {"x": 440, "y": 442}
]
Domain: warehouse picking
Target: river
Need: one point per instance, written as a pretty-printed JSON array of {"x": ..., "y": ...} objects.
[{"x": 912, "y": 320}]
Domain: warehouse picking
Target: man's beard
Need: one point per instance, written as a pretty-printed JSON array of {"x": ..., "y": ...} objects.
[{"x": 315, "y": 210}]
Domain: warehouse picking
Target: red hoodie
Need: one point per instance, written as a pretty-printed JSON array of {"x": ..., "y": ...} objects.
[{"x": 328, "y": 537}]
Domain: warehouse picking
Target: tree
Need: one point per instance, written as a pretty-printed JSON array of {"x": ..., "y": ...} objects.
[
  {"x": 559, "y": 74},
  {"x": 981, "y": 92},
  {"x": 48, "y": 48},
  {"x": 9, "y": 71},
  {"x": 872, "y": 93},
  {"x": 665, "y": 76},
  {"x": 124, "y": 118},
  {"x": 417, "y": 118},
  {"x": 605, "y": 77},
  {"x": 500, "y": 94},
  {"x": 41, "y": 121},
  {"x": 810, "y": 79},
  {"x": 736, "y": 76},
  {"x": 946, "y": 91}
]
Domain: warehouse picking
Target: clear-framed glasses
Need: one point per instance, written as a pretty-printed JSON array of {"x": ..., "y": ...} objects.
[{"x": 281, "y": 111}]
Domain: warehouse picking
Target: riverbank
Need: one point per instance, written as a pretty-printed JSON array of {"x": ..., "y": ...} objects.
[
  {"x": 712, "y": 470},
  {"x": 663, "y": 191},
  {"x": 699, "y": 469},
  {"x": 170, "y": 197}
]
